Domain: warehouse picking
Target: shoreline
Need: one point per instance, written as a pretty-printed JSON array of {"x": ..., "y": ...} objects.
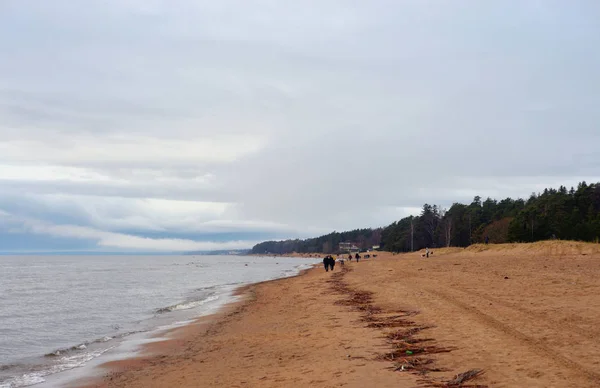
[
  {"x": 134, "y": 372},
  {"x": 196, "y": 294},
  {"x": 169, "y": 340},
  {"x": 487, "y": 316}
]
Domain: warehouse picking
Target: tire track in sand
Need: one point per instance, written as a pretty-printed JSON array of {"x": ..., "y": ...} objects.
[
  {"x": 553, "y": 323},
  {"x": 541, "y": 349},
  {"x": 541, "y": 317}
]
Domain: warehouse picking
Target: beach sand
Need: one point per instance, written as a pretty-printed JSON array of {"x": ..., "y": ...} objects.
[{"x": 528, "y": 315}]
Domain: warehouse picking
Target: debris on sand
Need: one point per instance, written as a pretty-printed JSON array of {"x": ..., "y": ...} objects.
[
  {"x": 461, "y": 378},
  {"x": 408, "y": 352}
]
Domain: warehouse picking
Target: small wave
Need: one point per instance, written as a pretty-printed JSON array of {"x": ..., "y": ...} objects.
[
  {"x": 61, "y": 364},
  {"x": 186, "y": 305},
  {"x": 130, "y": 333},
  {"x": 23, "y": 381},
  {"x": 9, "y": 367},
  {"x": 60, "y": 352},
  {"x": 218, "y": 286},
  {"x": 84, "y": 345}
]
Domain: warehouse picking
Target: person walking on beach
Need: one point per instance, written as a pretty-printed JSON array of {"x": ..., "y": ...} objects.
[
  {"x": 328, "y": 262},
  {"x": 357, "y": 257}
]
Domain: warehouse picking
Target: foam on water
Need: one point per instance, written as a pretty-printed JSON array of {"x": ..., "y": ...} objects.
[
  {"x": 62, "y": 364},
  {"x": 187, "y": 305}
]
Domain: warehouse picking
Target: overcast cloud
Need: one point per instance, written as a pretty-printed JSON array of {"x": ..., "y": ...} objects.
[{"x": 182, "y": 125}]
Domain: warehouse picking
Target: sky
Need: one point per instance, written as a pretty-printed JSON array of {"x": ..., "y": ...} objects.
[{"x": 183, "y": 125}]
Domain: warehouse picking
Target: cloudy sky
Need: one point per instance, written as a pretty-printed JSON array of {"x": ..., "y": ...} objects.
[{"x": 182, "y": 125}]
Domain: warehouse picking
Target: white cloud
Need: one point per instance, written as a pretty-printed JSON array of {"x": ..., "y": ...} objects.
[
  {"x": 142, "y": 214},
  {"x": 152, "y": 215},
  {"x": 123, "y": 149},
  {"x": 124, "y": 241},
  {"x": 52, "y": 173}
]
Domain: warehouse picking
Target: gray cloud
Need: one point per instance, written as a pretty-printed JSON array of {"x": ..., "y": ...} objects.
[{"x": 300, "y": 118}]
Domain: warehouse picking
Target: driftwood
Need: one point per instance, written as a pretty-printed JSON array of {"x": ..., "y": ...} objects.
[{"x": 461, "y": 378}]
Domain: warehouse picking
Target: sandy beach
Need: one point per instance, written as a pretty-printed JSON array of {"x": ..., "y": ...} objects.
[{"x": 524, "y": 315}]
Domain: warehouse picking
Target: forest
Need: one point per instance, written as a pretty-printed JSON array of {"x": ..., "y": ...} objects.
[{"x": 568, "y": 214}]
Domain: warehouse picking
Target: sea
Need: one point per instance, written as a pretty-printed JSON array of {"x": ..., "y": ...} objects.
[{"x": 62, "y": 316}]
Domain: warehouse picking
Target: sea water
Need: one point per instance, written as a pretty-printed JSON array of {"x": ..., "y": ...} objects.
[{"x": 58, "y": 313}]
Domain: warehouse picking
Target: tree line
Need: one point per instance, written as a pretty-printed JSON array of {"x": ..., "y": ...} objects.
[
  {"x": 570, "y": 214},
  {"x": 329, "y": 243}
]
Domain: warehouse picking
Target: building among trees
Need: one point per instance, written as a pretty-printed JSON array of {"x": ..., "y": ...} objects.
[{"x": 347, "y": 247}]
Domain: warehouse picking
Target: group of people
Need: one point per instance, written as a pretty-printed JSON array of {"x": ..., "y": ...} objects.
[
  {"x": 329, "y": 261},
  {"x": 357, "y": 257}
]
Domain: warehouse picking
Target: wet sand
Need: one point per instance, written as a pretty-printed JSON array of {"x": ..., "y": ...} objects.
[{"x": 526, "y": 315}]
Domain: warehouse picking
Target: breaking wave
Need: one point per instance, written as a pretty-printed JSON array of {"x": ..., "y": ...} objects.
[
  {"x": 187, "y": 305},
  {"x": 36, "y": 375},
  {"x": 84, "y": 345}
]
